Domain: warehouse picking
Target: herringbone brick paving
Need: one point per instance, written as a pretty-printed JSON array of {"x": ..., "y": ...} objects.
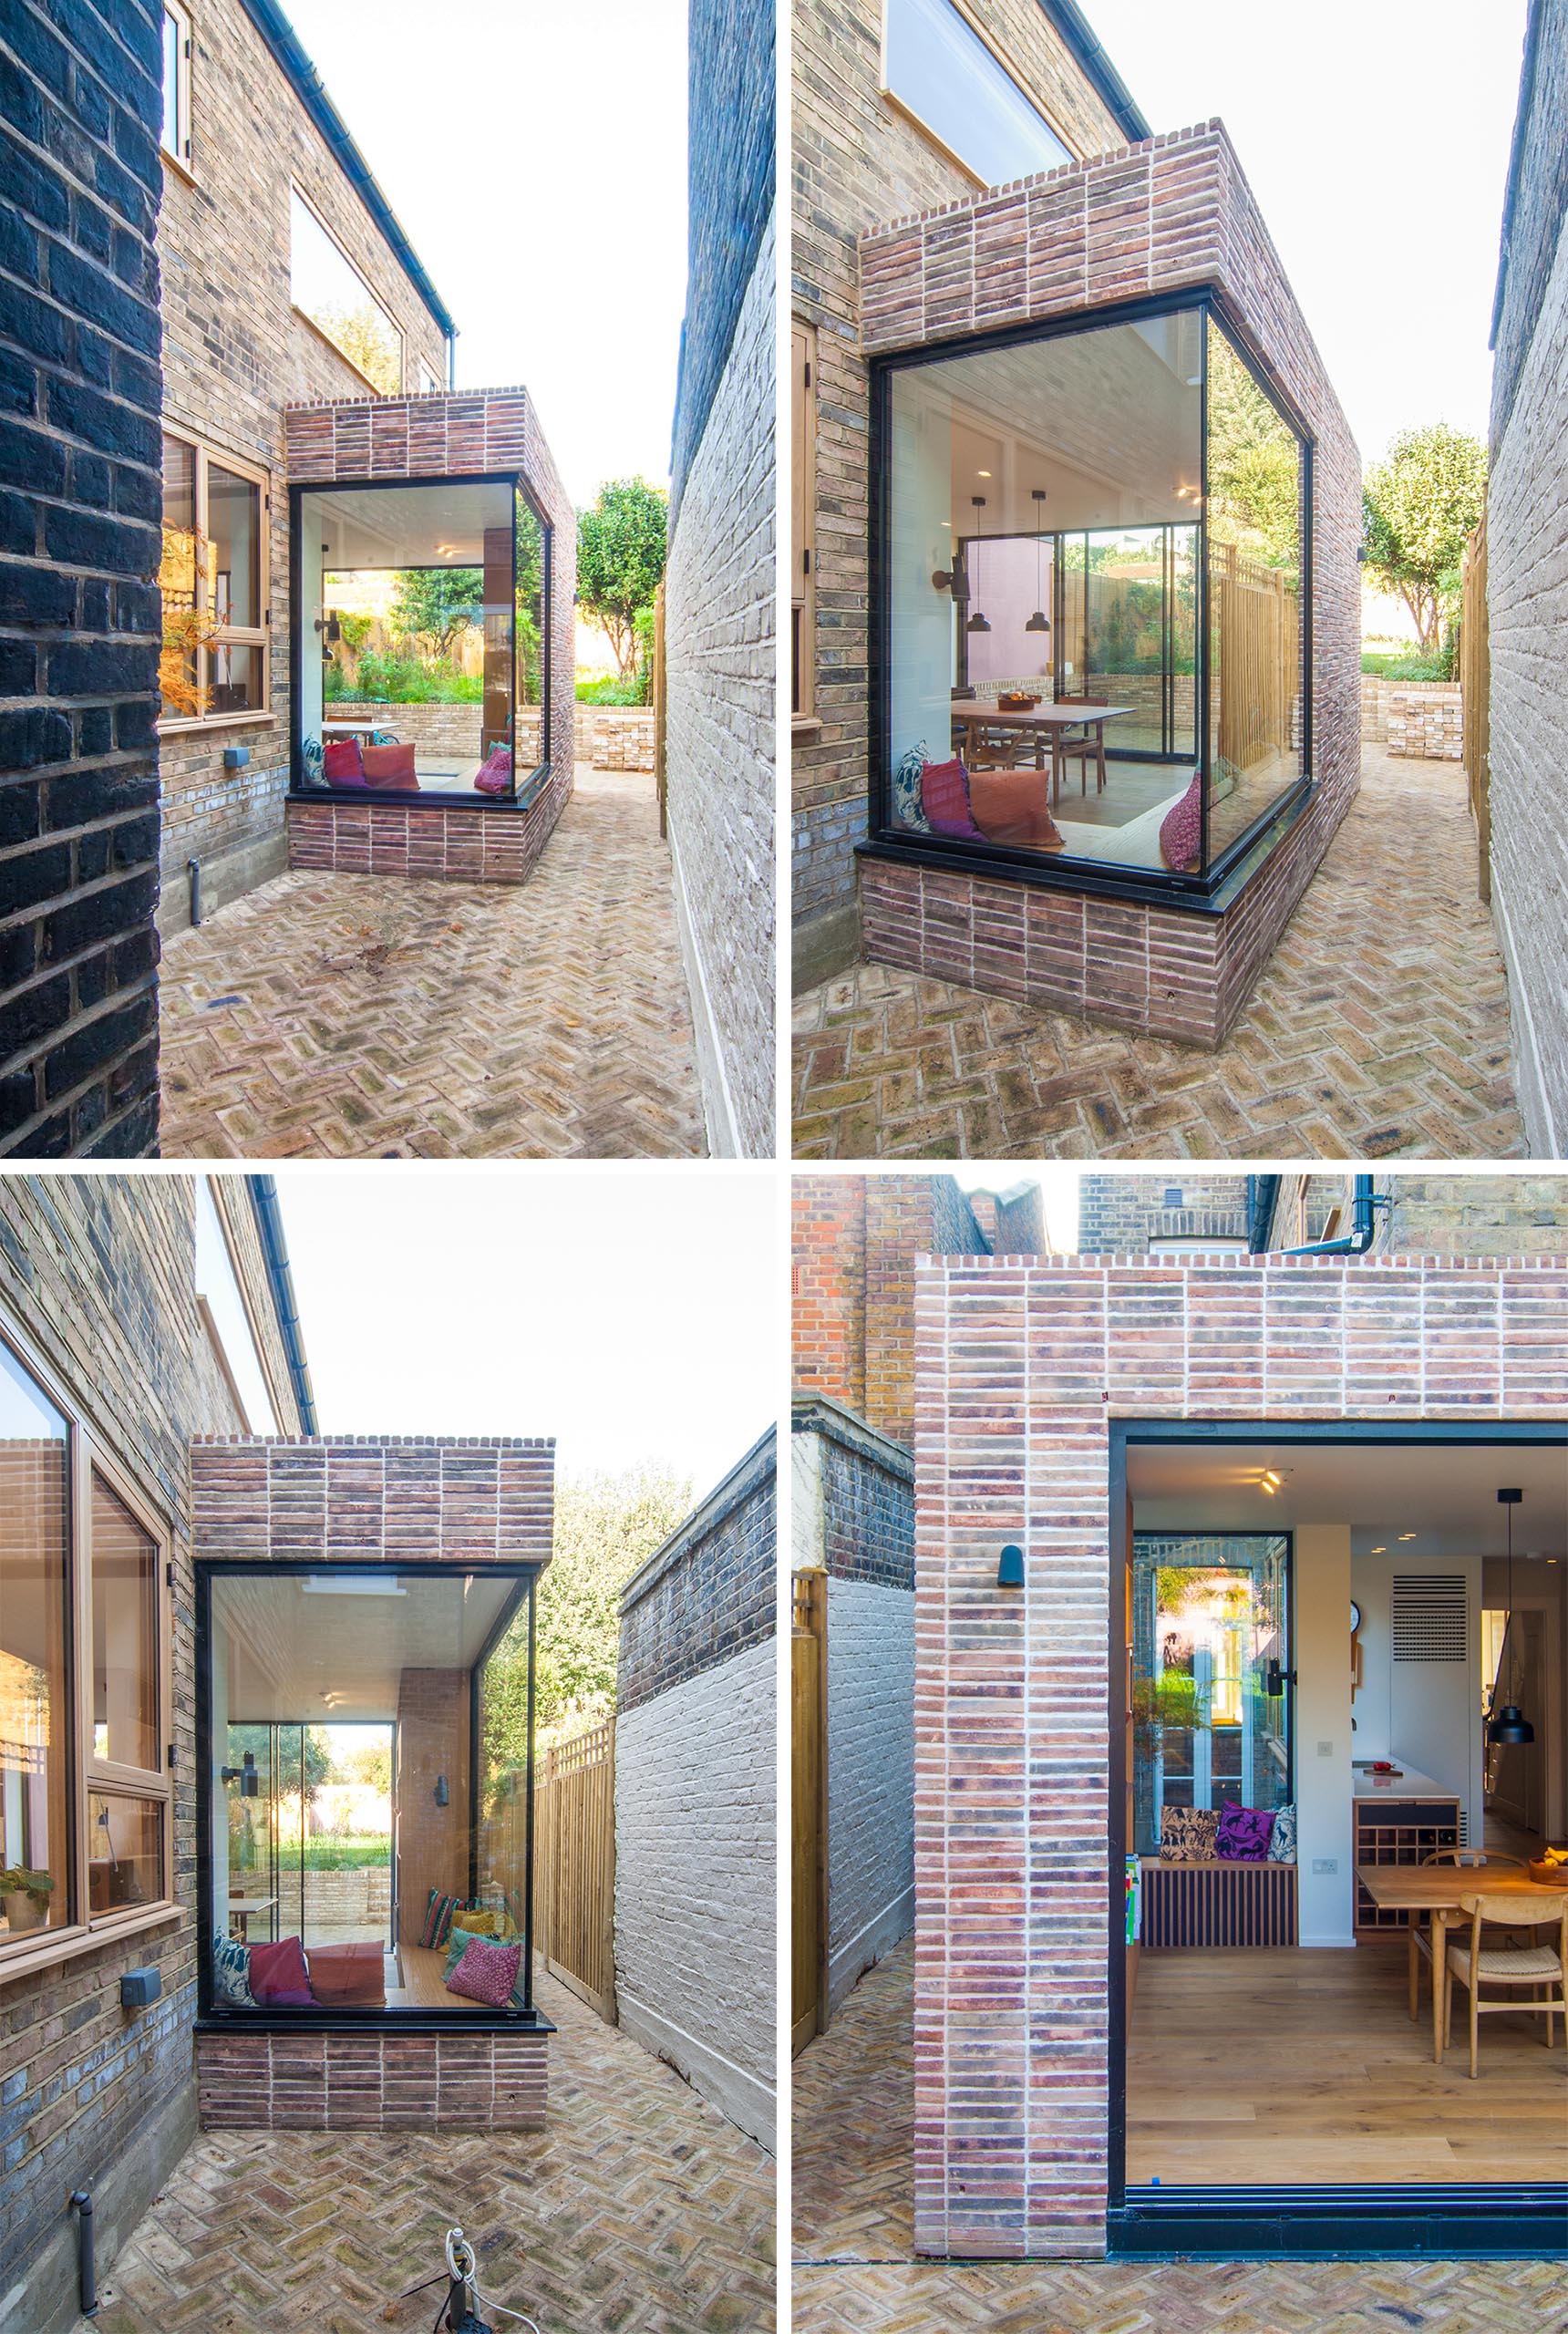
[
  {"x": 363, "y": 1016},
  {"x": 639, "y": 2210},
  {"x": 1379, "y": 1029},
  {"x": 853, "y": 2272}
]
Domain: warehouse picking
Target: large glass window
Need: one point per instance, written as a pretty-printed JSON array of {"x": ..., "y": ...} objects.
[
  {"x": 327, "y": 288},
  {"x": 214, "y": 580},
  {"x": 365, "y": 1772},
  {"x": 940, "y": 69},
  {"x": 1048, "y": 549},
  {"x": 422, "y": 615}
]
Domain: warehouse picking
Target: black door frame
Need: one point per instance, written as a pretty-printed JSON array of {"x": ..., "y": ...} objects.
[{"x": 1362, "y": 2221}]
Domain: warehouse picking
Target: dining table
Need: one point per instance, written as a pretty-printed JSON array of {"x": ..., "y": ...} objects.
[
  {"x": 1039, "y": 722},
  {"x": 1435, "y": 1889},
  {"x": 242, "y": 1909}
]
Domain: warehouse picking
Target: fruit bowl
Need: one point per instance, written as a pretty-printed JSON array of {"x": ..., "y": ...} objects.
[
  {"x": 1550, "y": 1871},
  {"x": 1017, "y": 701}
]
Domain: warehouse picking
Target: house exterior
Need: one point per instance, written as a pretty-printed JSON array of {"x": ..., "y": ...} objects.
[
  {"x": 716, "y": 719},
  {"x": 695, "y": 1704},
  {"x": 1400, "y": 1214},
  {"x": 1526, "y": 596},
  {"x": 993, "y": 358}
]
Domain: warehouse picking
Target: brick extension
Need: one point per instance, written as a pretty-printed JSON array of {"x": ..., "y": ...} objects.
[
  {"x": 1171, "y": 215},
  {"x": 1021, "y": 1366},
  {"x": 378, "y": 2082}
]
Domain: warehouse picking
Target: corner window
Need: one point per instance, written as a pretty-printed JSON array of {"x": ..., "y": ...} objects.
[
  {"x": 213, "y": 577},
  {"x": 938, "y": 68},
  {"x": 329, "y": 291},
  {"x": 1094, "y": 566},
  {"x": 84, "y": 1802},
  {"x": 422, "y": 635},
  {"x": 802, "y": 480},
  {"x": 176, "y": 130}
]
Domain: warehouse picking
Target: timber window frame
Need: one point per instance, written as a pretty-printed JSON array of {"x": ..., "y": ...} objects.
[
  {"x": 90, "y": 1466},
  {"x": 803, "y": 532},
  {"x": 177, "y": 26},
  {"x": 205, "y": 457},
  {"x": 988, "y": 54}
]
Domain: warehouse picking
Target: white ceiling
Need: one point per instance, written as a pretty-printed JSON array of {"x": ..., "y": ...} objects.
[
  {"x": 288, "y": 1646},
  {"x": 1446, "y": 1495},
  {"x": 407, "y": 526}
]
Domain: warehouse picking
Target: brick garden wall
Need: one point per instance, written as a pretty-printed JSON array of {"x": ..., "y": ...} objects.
[
  {"x": 694, "y": 1798},
  {"x": 100, "y": 1271},
  {"x": 80, "y": 501},
  {"x": 858, "y": 160},
  {"x": 235, "y": 352},
  {"x": 1171, "y": 213},
  {"x": 1021, "y": 1369},
  {"x": 1376, "y": 694},
  {"x": 1426, "y": 725},
  {"x": 1527, "y": 594}
]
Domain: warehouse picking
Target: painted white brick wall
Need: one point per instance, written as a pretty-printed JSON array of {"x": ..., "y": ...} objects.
[
  {"x": 695, "y": 1917},
  {"x": 871, "y": 1777},
  {"x": 1527, "y": 601},
  {"x": 720, "y": 662}
]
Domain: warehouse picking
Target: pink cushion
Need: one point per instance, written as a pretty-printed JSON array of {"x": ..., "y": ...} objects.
[
  {"x": 391, "y": 766},
  {"x": 944, "y": 799},
  {"x": 1181, "y": 830},
  {"x": 486, "y": 1973},
  {"x": 278, "y": 1979},
  {"x": 495, "y": 771},
  {"x": 342, "y": 763}
]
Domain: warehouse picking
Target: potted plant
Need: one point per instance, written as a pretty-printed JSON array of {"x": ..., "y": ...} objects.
[{"x": 25, "y": 1896}]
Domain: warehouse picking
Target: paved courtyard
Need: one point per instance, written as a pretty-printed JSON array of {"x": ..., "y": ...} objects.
[
  {"x": 639, "y": 2210},
  {"x": 853, "y": 2273},
  {"x": 364, "y": 1017},
  {"x": 1379, "y": 1029}
]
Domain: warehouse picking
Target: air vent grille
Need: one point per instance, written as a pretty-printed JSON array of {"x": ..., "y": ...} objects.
[{"x": 1430, "y": 1617}]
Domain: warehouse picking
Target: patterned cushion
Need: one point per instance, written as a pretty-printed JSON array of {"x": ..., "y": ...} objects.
[
  {"x": 1187, "y": 1834},
  {"x": 944, "y": 794},
  {"x": 1243, "y": 1834},
  {"x": 457, "y": 1942},
  {"x": 439, "y": 1917},
  {"x": 1181, "y": 830},
  {"x": 486, "y": 1973},
  {"x": 231, "y": 1973},
  {"x": 907, "y": 807},
  {"x": 1281, "y": 1836},
  {"x": 310, "y": 758}
]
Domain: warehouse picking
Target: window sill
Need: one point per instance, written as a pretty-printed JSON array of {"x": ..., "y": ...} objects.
[
  {"x": 172, "y": 162},
  {"x": 69, "y": 1943},
  {"x": 178, "y": 728},
  {"x": 805, "y": 725}
]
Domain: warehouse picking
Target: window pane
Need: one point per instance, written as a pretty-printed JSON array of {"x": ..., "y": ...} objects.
[
  {"x": 125, "y": 1852},
  {"x": 125, "y": 1636},
  {"x": 177, "y": 671},
  {"x": 236, "y": 678},
  {"x": 34, "y": 1692},
  {"x": 172, "y": 39},
  {"x": 1254, "y": 598},
  {"x": 531, "y": 747},
  {"x": 338, "y": 302},
  {"x": 942, "y": 71},
  {"x": 234, "y": 554}
]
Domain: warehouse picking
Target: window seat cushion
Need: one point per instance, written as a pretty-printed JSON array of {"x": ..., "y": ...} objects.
[{"x": 1012, "y": 806}]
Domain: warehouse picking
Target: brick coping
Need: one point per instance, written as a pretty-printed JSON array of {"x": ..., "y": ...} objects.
[
  {"x": 1161, "y": 139},
  {"x": 1226, "y": 1260},
  {"x": 330, "y": 1442},
  {"x": 373, "y": 2022}
]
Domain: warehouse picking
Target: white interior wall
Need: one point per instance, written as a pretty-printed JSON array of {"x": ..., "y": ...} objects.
[
  {"x": 1424, "y": 1713},
  {"x": 1324, "y": 1816}
]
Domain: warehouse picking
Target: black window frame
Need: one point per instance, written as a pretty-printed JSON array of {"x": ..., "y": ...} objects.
[
  {"x": 1215, "y": 889},
  {"x": 524, "y": 791},
  {"x": 214, "y": 2017}
]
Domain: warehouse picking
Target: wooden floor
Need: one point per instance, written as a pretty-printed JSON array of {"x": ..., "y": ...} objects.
[{"x": 1264, "y": 2068}]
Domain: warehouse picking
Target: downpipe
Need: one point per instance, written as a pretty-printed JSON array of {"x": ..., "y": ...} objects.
[
  {"x": 1363, "y": 1224},
  {"x": 193, "y": 870},
  {"x": 87, "y": 2265}
]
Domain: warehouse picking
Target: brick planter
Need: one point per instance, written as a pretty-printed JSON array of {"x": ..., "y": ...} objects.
[
  {"x": 382, "y": 2082},
  {"x": 429, "y": 838}
]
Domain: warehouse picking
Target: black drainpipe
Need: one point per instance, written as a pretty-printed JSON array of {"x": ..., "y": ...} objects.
[
  {"x": 1363, "y": 1222},
  {"x": 81, "y": 2198},
  {"x": 270, "y": 1223},
  {"x": 193, "y": 869},
  {"x": 1091, "y": 52},
  {"x": 1263, "y": 1191}
]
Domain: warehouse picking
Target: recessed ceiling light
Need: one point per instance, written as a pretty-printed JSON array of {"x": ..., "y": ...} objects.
[
  {"x": 1407, "y": 1536},
  {"x": 1380, "y": 1552},
  {"x": 982, "y": 473}
]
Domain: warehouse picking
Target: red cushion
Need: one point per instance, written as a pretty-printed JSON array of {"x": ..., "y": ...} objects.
[
  {"x": 1181, "y": 830},
  {"x": 944, "y": 799},
  {"x": 356, "y": 1973},
  {"x": 391, "y": 766},
  {"x": 278, "y": 1979},
  {"x": 1012, "y": 806},
  {"x": 486, "y": 1973},
  {"x": 342, "y": 763}
]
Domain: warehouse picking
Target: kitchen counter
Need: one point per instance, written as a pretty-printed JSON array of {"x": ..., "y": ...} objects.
[{"x": 1409, "y": 1783}]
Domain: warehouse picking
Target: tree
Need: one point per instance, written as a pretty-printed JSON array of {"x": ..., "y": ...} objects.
[
  {"x": 439, "y": 602},
  {"x": 1254, "y": 466},
  {"x": 1421, "y": 505},
  {"x": 621, "y": 546},
  {"x": 606, "y": 1526}
]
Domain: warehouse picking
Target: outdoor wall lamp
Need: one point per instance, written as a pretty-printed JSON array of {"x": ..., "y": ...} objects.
[
  {"x": 442, "y": 1795},
  {"x": 1510, "y": 1725},
  {"x": 1010, "y": 1570},
  {"x": 245, "y": 1774}
]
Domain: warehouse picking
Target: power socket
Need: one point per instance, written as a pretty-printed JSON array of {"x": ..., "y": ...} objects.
[{"x": 1324, "y": 1864}]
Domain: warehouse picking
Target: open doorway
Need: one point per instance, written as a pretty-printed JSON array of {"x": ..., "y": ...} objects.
[{"x": 1316, "y": 1626}]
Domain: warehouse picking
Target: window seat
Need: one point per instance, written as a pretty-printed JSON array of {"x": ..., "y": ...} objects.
[
  {"x": 1220, "y": 1902},
  {"x": 414, "y": 1981}
]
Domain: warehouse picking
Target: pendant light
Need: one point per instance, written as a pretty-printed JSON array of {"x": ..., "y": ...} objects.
[
  {"x": 977, "y": 623},
  {"x": 1039, "y": 621},
  {"x": 1509, "y": 1723}
]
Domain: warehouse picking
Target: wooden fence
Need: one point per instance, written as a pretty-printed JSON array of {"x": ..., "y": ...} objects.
[
  {"x": 1259, "y": 638},
  {"x": 574, "y": 1864},
  {"x": 1475, "y": 692},
  {"x": 808, "y": 1809}
]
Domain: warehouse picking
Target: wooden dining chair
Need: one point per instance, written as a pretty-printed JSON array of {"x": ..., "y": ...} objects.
[
  {"x": 1539, "y": 1967},
  {"x": 1420, "y": 1947},
  {"x": 1080, "y": 746}
]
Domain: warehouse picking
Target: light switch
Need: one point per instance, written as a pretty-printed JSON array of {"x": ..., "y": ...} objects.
[{"x": 1325, "y": 1750}]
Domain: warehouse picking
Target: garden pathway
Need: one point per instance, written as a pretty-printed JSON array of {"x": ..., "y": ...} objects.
[
  {"x": 366, "y": 1017},
  {"x": 1379, "y": 1029},
  {"x": 638, "y": 2210},
  {"x": 853, "y": 2271}
]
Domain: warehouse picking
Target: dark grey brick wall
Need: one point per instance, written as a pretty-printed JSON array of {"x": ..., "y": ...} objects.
[
  {"x": 867, "y": 1511},
  {"x": 709, "y": 1591},
  {"x": 80, "y": 394},
  {"x": 1538, "y": 203}
]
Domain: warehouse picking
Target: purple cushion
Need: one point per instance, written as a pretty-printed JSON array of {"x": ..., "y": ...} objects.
[
  {"x": 1181, "y": 830},
  {"x": 486, "y": 1973},
  {"x": 494, "y": 773},
  {"x": 1243, "y": 1834},
  {"x": 944, "y": 797}
]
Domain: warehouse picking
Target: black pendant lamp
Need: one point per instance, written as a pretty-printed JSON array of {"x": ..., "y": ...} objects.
[
  {"x": 1509, "y": 1723},
  {"x": 977, "y": 623},
  {"x": 1039, "y": 621}
]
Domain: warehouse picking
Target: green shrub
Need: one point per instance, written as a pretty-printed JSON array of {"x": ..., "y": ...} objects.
[
  {"x": 1410, "y": 665},
  {"x": 330, "y": 1854},
  {"x": 384, "y": 679},
  {"x": 614, "y": 688}
]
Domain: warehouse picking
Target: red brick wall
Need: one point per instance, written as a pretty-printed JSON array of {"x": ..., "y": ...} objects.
[
  {"x": 494, "y": 845},
  {"x": 1020, "y": 1369},
  {"x": 376, "y": 2082},
  {"x": 404, "y": 1498}
]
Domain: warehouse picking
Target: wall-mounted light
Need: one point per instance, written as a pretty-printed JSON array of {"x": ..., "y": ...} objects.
[
  {"x": 442, "y": 1794},
  {"x": 245, "y": 1774},
  {"x": 1010, "y": 1567}
]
